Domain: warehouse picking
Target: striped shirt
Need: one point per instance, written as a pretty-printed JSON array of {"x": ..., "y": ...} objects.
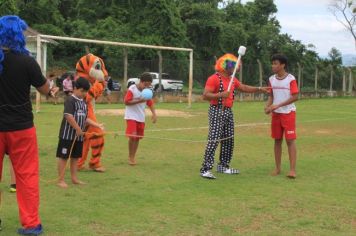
[{"x": 78, "y": 109}]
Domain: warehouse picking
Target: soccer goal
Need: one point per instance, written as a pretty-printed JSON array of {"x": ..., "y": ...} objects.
[{"x": 40, "y": 60}]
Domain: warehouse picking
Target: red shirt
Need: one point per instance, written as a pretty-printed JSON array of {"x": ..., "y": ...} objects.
[{"x": 213, "y": 84}]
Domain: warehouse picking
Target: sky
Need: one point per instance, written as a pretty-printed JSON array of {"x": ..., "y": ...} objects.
[{"x": 311, "y": 22}]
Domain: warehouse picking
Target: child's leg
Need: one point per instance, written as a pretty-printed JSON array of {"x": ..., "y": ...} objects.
[
  {"x": 292, "y": 151},
  {"x": 277, "y": 156},
  {"x": 62, "y": 163},
  {"x": 133, "y": 145},
  {"x": 73, "y": 171}
]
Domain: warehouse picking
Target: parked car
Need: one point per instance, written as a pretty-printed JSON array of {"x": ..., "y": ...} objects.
[
  {"x": 132, "y": 81},
  {"x": 116, "y": 86},
  {"x": 167, "y": 83}
]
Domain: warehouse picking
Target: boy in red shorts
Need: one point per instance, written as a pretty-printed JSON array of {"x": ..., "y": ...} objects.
[
  {"x": 284, "y": 92},
  {"x": 135, "y": 114}
]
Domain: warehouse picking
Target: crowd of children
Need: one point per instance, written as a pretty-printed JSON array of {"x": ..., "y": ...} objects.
[{"x": 18, "y": 140}]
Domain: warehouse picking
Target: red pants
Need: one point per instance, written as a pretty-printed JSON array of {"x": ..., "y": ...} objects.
[
  {"x": 22, "y": 148},
  {"x": 135, "y": 129},
  {"x": 283, "y": 123}
]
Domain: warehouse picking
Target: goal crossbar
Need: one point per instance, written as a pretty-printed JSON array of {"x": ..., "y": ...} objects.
[{"x": 113, "y": 43}]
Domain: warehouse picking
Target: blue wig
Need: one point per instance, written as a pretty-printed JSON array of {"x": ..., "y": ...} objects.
[{"x": 12, "y": 37}]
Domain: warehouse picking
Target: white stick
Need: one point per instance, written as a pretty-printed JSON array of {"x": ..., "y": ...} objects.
[{"x": 241, "y": 52}]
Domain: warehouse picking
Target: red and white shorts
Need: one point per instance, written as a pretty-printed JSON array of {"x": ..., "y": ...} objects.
[
  {"x": 135, "y": 129},
  {"x": 283, "y": 123}
]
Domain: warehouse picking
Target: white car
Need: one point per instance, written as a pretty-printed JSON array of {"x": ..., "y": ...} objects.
[{"x": 167, "y": 82}]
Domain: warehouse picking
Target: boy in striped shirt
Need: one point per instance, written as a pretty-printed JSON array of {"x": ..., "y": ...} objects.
[{"x": 71, "y": 132}]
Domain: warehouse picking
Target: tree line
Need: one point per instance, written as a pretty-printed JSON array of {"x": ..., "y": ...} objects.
[{"x": 210, "y": 27}]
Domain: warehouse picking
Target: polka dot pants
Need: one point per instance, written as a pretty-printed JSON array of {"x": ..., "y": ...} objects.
[{"x": 221, "y": 125}]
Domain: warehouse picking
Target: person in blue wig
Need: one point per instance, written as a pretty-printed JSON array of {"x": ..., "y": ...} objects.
[{"x": 18, "y": 72}]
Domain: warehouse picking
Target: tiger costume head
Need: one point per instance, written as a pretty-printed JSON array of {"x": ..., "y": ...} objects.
[{"x": 91, "y": 68}]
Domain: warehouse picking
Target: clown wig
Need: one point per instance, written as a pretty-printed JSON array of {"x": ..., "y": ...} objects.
[
  {"x": 12, "y": 37},
  {"x": 225, "y": 63}
]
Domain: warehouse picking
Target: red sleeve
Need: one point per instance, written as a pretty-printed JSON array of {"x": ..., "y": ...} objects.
[
  {"x": 270, "y": 90},
  {"x": 212, "y": 83},
  {"x": 293, "y": 87},
  {"x": 128, "y": 96},
  {"x": 237, "y": 83},
  {"x": 149, "y": 103}
]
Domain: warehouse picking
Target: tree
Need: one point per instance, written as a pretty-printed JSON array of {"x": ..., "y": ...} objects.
[
  {"x": 335, "y": 63},
  {"x": 8, "y": 7},
  {"x": 345, "y": 13}
]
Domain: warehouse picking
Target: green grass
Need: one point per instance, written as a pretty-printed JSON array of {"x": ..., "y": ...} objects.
[{"x": 164, "y": 194}]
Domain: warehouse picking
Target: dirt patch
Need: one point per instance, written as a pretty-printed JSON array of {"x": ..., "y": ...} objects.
[
  {"x": 159, "y": 112},
  {"x": 323, "y": 132}
]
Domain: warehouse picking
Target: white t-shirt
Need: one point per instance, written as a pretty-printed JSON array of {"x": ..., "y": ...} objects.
[
  {"x": 135, "y": 112},
  {"x": 282, "y": 90}
]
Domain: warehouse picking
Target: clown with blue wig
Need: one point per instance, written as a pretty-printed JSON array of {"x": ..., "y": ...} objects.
[
  {"x": 221, "y": 117},
  {"x": 18, "y": 72}
]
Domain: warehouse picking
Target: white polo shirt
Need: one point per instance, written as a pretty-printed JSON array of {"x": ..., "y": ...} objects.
[{"x": 282, "y": 90}]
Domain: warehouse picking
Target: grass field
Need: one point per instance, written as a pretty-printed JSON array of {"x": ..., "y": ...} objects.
[{"x": 164, "y": 195}]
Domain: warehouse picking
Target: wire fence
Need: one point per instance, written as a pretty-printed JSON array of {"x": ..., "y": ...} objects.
[{"x": 176, "y": 65}]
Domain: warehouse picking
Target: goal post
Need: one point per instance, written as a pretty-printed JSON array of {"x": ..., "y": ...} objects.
[{"x": 121, "y": 44}]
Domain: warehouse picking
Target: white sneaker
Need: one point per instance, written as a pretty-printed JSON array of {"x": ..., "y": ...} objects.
[
  {"x": 231, "y": 171},
  {"x": 224, "y": 170},
  {"x": 208, "y": 175}
]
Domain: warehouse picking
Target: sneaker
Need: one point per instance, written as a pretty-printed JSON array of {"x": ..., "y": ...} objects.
[
  {"x": 224, "y": 170},
  {"x": 31, "y": 231},
  {"x": 208, "y": 175},
  {"x": 12, "y": 188}
]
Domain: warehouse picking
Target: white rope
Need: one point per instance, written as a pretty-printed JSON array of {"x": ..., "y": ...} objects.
[{"x": 248, "y": 125}]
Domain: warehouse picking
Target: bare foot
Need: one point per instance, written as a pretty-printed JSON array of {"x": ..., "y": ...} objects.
[
  {"x": 78, "y": 182},
  {"x": 132, "y": 162},
  {"x": 99, "y": 169},
  {"x": 292, "y": 175},
  {"x": 275, "y": 172},
  {"x": 62, "y": 184}
]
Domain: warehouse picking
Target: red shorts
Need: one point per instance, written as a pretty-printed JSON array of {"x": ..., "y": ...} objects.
[
  {"x": 283, "y": 123},
  {"x": 135, "y": 129}
]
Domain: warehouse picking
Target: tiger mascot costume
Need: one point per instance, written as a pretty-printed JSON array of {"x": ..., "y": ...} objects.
[{"x": 93, "y": 69}]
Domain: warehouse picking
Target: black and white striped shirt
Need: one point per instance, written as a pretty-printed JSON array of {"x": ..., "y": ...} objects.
[{"x": 78, "y": 109}]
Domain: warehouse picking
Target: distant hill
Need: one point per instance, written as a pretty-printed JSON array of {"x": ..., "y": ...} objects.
[{"x": 349, "y": 60}]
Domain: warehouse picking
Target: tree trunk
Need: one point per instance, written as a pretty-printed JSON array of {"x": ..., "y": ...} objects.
[
  {"x": 344, "y": 81},
  {"x": 260, "y": 71},
  {"x": 316, "y": 80},
  {"x": 331, "y": 78},
  {"x": 299, "y": 78},
  {"x": 125, "y": 70},
  {"x": 241, "y": 79},
  {"x": 160, "y": 68},
  {"x": 350, "y": 81}
]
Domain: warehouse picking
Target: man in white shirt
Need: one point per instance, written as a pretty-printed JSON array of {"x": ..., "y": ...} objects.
[{"x": 284, "y": 92}]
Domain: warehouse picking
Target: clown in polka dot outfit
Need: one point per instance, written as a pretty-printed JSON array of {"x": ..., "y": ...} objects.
[{"x": 221, "y": 118}]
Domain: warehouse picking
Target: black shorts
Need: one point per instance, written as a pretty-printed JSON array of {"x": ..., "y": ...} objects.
[{"x": 64, "y": 147}]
